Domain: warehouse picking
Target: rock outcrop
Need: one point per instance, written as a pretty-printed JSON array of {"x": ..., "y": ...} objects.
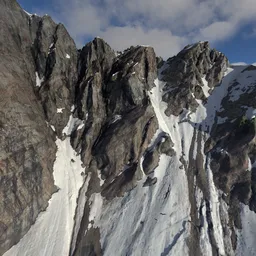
[
  {"x": 26, "y": 141},
  {"x": 186, "y": 74}
]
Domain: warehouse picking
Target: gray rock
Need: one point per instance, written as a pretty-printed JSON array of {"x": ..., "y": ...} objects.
[
  {"x": 27, "y": 143},
  {"x": 183, "y": 76}
]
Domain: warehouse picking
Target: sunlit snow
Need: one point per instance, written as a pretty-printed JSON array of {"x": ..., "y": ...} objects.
[
  {"x": 51, "y": 234},
  {"x": 39, "y": 80}
]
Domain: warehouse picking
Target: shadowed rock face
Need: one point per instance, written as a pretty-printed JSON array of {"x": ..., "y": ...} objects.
[
  {"x": 42, "y": 77},
  {"x": 30, "y": 44},
  {"x": 26, "y": 142}
]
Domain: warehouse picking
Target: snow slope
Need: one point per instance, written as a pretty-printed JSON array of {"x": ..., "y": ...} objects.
[
  {"x": 156, "y": 221},
  {"x": 181, "y": 134},
  {"x": 52, "y": 231},
  {"x": 247, "y": 236}
]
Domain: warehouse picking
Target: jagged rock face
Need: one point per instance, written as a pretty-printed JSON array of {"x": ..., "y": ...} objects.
[
  {"x": 57, "y": 83},
  {"x": 112, "y": 98},
  {"x": 26, "y": 142},
  {"x": 184, "y": 75},
  {"x": 55, "y": 57},
  {"x": 232, "y": 143}
]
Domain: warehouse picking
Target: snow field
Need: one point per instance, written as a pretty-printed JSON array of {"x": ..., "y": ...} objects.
[{"x": 52, "y": 231}]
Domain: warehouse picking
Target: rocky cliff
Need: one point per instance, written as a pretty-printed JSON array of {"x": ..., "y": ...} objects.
[{"x": 122, "y": 153}]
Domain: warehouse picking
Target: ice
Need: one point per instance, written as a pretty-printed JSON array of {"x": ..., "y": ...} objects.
[
  {"x": 52, "y": 231},
  {"x": 38, "y": 80}
]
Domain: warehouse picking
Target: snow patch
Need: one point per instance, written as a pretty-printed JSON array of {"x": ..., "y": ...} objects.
[
  {"x": 51, "y": 234},
  {"x": 101, "y": 180},
  {"x": 73, "y": 124},
  {"x": 115, "y": 74},
  {"x": 245, "y": 83},
  {"x": 79, "y": 212},
  {"x": 39, "y": 80},
  {"x": 95, "y": 203},
  {"x": 60, "y": 110},
  {"x": 67, "y": 56},
  {"x": 205, "y": 88},
  {"x": 215, "y": 213}
]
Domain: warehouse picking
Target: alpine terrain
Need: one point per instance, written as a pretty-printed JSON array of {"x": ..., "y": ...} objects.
[{"x": 121, "y": 153}]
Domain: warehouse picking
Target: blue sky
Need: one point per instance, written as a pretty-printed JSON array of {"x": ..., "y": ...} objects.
[{"x": 167, "y": 25}]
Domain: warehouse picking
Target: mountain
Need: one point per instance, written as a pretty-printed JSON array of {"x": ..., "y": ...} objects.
[{"x": 106, "y": 153}]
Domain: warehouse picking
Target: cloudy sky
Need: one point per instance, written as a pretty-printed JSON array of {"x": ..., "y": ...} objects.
[{"x": 167, "y": 25}]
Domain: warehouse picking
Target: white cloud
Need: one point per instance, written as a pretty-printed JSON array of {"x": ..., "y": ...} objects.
[
  {"x": 164, "y": 42},
  {"x": 239, "y": 64},
  {"x": 165, "y": 24},
  {"x": 216, "y": 31}
]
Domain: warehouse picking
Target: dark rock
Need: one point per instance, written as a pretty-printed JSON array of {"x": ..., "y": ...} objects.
[
  {"x": 27, "y": 143},
  {"x": 150, "y": 162},
  {"x": 150, "y": 181},
  {"x": 56, "y": 63},
  {"x": 183, "y": 76}
]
